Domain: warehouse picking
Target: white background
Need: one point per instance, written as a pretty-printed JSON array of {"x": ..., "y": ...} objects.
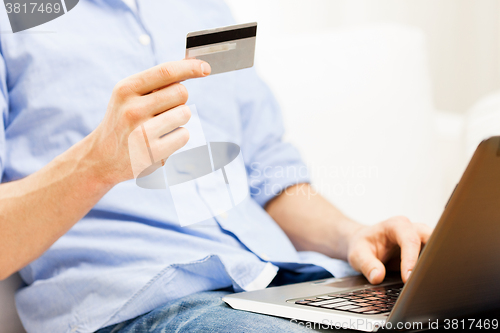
[{"x": 463, "y": 36}]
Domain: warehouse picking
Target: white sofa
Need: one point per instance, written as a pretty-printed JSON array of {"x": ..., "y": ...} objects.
[
  {"x": 358, "y": 105},
  {"x": 482, "y": 121}
]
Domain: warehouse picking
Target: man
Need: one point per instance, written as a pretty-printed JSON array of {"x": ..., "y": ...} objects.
[{"x": 95, "y": 250}]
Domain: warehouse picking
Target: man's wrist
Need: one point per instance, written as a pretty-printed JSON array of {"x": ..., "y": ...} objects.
[
  {"x": 342, "y": 235},
  {"x": 88, "y": 165},
  {"x": 353, "y": 230}
]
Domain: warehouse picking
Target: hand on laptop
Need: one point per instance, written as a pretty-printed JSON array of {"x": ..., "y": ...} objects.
[
  {"x": 314, "y": 224},
  {"x": 394, "y": 242}
]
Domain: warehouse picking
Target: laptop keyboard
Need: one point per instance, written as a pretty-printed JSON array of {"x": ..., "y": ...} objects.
[{"x": 375, "y": 300}]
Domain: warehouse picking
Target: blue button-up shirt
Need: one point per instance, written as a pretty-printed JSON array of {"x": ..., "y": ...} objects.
[{"x": 129, "y": 255}]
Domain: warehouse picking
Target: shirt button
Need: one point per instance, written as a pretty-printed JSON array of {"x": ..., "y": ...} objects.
[
  {"x": 224, "y": 215},
  {"x": 144, "y": 39}
]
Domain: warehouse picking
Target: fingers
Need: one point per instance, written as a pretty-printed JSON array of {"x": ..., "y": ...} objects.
[
  {"x": 364, "y": 260},
  {"x": 163, "y": 75},
  {"x": 158, "y": 138},
  {"x": 163, "y": 99},
  {"x": 144, "y": 152},
  {"x": 379, "y": 243},
  {"x": 163, "y": 133},
  {"x": 167, "y": 122},
  {"x": 139, "y": 152},
  {"x": 424, "y": 232},
  {"x": 402, "y": 232},
  {"x": 142, "y": 96},
  {"x": 163, "y": 147}
]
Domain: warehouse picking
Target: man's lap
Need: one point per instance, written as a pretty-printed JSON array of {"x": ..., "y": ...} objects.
[{"x": 207, "y": 312}]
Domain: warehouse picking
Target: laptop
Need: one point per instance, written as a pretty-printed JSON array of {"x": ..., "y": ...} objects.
[{"x": 456, "y": 276}]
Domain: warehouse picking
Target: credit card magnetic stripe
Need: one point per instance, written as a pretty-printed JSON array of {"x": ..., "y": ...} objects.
[{"x": 221, "y": 36}]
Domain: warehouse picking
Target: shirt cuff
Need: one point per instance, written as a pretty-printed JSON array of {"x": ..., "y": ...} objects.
[{"x": 264, "y": 279}]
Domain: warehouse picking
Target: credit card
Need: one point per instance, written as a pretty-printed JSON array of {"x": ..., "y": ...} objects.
[{"x": 225, "y": 49}]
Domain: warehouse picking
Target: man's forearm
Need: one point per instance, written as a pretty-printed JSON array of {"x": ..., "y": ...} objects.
[
  {"x": 311, "y": 222},
  {"x": 37, "y": 210}
]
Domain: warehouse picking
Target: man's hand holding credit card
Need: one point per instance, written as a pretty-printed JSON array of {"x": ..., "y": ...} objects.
[{"x": 225, "y": 49}]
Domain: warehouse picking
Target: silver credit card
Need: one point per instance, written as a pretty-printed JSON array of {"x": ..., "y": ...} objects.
[{"x": 225, "y": 49}]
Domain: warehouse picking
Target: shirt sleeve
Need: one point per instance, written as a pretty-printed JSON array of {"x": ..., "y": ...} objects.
[
  {"x": 3, "y": 111},
  {"x": 272, "y": 164}
]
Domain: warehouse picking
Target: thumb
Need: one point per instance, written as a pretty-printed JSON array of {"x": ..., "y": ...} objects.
[{"x": 364, "y": 260}]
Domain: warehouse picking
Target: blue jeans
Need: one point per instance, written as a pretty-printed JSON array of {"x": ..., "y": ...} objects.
[{"x": 206, "y": 312}]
